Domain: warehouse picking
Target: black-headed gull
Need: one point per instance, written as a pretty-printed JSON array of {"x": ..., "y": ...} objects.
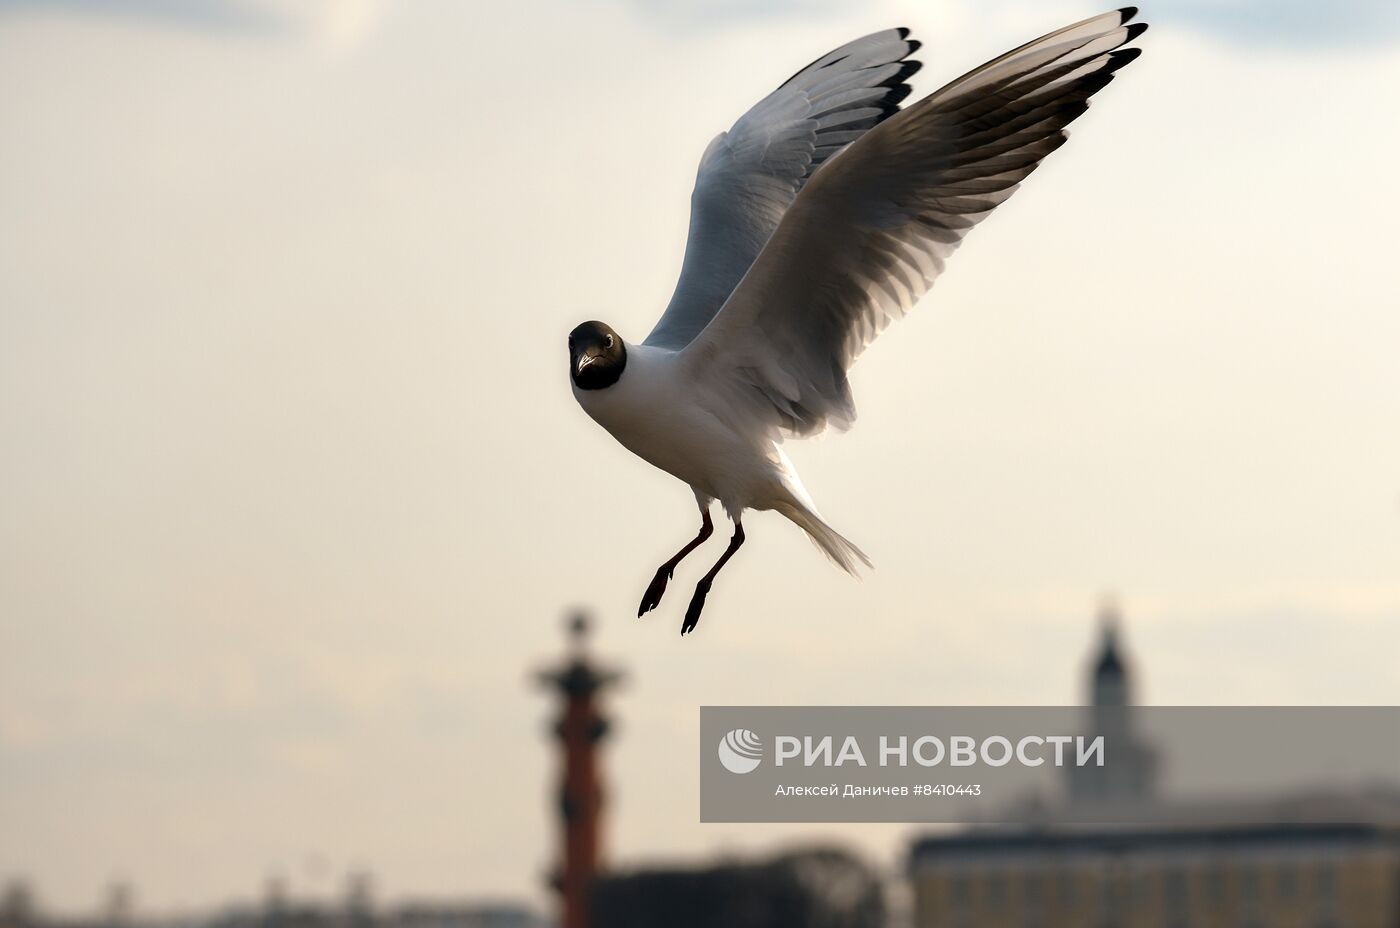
[{"x": 825, "y": 212}]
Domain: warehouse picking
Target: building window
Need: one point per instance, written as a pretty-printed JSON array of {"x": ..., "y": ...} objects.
[
  {"x": 1144, "y": 890},
  {"x": 962, "y": 891},
  {"x": 1249, "y": 885},
  {"x": 1114, "y": 902},
  {"x": 1065, "y": 888},
  {"x": 1286, "y": 881},
  {"x": 1215, "y": 885},
  {"x": 1325, "y": 883},
  {"x": 996, "y": 889},
  {"x": 1034, "y": 892},
  {"x": 1174, "y": 890}
]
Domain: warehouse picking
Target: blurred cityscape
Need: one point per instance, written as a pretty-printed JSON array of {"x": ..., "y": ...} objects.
[
  {"x": 1210, "y": 863},
  {"x": 19, "y": 908}
]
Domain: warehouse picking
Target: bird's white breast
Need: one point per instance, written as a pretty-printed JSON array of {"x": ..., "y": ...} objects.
[{"x": 655, "y": 412}]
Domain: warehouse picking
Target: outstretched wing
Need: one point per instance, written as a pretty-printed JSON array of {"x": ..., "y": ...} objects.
[
  {"x": 869, "y": 233},
  {"x": 749, "y": 175}
]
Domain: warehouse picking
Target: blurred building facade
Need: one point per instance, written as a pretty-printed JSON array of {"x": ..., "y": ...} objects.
[
  {"x": 1248, "y": 876},
  {"x": 1182, "y": 869}
]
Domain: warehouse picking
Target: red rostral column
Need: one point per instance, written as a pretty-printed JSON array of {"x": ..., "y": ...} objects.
[{"x": 580, "y": 728}]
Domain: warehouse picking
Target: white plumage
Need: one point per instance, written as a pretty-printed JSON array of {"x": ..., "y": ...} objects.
[{"x": 823, "y": 214}]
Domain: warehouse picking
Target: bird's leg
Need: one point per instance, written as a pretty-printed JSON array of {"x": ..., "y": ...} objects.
[
  {"x": 702, "y": 589},
  {"x": 652, "y": 597}
]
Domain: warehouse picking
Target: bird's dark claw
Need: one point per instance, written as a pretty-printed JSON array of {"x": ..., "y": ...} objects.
[
  {"x": 652, "y": 597},
  {"x": 697, "y": 603}
]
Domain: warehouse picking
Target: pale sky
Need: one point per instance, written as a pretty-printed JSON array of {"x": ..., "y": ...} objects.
[{"x": 294, "y": 494}]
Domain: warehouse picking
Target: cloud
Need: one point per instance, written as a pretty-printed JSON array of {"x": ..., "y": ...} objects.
[
  {"x": 728, "y": 13},
  {"x": 1295, "y": 23},
  {"x": 1299, "y": 24},
  {"x": 341, "y": 24},
  {"x": 338, "y": 24},
  {"x": 237, "y": 15}
]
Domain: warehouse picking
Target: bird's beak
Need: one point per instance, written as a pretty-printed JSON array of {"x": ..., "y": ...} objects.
[{"x": 584, "y": 361}]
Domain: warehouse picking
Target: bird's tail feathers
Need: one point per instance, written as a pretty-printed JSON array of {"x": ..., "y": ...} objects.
[{"x": 838, "y": 549}]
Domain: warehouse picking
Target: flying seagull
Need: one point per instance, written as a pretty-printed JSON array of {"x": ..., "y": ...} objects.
[{"x": 825, "y": 212}]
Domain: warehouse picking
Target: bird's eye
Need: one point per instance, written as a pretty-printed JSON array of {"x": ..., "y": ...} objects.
[{"x": 609, "y": 342}]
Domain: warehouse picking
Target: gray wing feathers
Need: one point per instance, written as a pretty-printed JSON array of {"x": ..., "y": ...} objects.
[
  {"x": 749, "y": 175},
  {"x": 870, "y": 232}
]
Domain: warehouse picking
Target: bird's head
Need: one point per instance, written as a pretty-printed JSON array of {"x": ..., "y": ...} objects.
[{"x": 596, "y": 356}]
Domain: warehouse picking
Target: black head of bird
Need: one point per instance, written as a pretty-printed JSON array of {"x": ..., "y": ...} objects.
[{"x": 596, "y": 356}]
